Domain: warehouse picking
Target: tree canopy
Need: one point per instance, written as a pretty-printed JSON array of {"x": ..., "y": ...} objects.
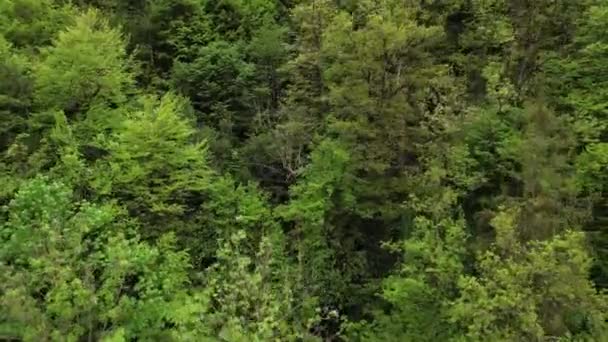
[{"x": 303, "y": 170}]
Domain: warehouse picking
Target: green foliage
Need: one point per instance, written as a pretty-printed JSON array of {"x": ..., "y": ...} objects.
[
  {"x": 86, "y": 66},
  {"x": 543, "y": 151},
  {"x": 385, "y": 87},
  {"x": 325, "y": 188},
  {"x": 419, "y": 293},
  {"x": 261, "y": 170},
  {"x": 72, "y": 270},
  {"x": 155, "y": 167},
  {"x": 30, "y": 24},
  {"x": 530, "y": 291},
  {"x": 77, "y": 80},
  {"x": 288, "y": 119},
  {"x": 217, "y": 81},
  {"x": 230, "y": 207},
  {"x": 15, "y": 92},
  {"x": 579, "y": 90},
  {"x": 238, "y": 19},
  {"x": 252, "y": 296}
]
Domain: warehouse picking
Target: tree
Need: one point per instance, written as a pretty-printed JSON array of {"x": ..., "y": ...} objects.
[
  {"x": 83, "y": 77},
  {"x": 15, "y": 92},
  {"x": 515, "y": 34},
  {"x": 252, "y": 294},
  {"x": 154, "y": 166},
  {"x": 591, "y": 168},
  {"x": 385, "y": 89},
  {"x": 87, "y": 66},
  {"x": 268, "y": 50},
  {"x": 583, "y": 99},
  {"x": 303, "y": 170},
  {"x": 31, "y": 24},
  {"x": 316, "y": 201},
  {"x": 74, "y": 270},
  {"x": 279, "y": 150},
  {"x": 527, "y": 291},
  {"x": 416, "y": 296},
  {"x": 157, "y": 168},
  {"x": 545, "y": 180},
  {"x": 419, "y": 292},
  {"x": 218, "y": 82}
]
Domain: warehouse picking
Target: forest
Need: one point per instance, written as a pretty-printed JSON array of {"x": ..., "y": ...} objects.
[{"x": 304, "y": 170}]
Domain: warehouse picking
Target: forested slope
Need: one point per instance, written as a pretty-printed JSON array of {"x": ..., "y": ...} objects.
[{"x": 303, "y": 170}]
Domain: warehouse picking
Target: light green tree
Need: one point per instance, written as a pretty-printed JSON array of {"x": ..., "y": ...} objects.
[
  {"x": 418, "y": 293},
  {"x": 252, "y": 292},
  {"x": 154, "y": 166},
  {"x": 86, "y": 66},
  {"x": 31, "y": 24},
  {"x": 74, "y": 270},
  {"x": 530, "y": 291}
]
